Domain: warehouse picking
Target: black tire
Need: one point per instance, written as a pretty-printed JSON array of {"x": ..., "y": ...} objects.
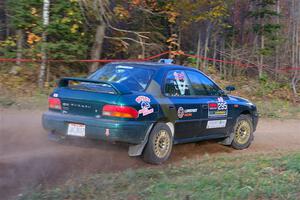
[
  {"x": 243, "y": 132},
  {"x": 159, "y": 145}
]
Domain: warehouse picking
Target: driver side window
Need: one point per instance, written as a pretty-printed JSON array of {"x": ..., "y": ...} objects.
[{"x": 202, "y": 86}]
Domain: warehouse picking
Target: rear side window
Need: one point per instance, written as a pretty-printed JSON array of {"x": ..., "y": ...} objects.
[
  {"x": 177, "y": 84},
  {"x": 202, "y": 85},
  {"x": 135, "y": 78}
]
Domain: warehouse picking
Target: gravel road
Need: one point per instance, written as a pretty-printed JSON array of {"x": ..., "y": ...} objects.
[{"x": 28, "y": 158}]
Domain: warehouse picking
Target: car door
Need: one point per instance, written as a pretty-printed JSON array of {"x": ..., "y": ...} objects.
[
  {"x": 177, "y": 88},
  {"x": 214, "y": 105}
]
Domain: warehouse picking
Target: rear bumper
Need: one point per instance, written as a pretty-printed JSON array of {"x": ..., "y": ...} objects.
[{"x": 132, "y": 132}]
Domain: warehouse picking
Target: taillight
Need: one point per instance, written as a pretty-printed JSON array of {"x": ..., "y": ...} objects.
[
  {"x": 119, "y": 111},
  {"x": 54, "y": 103}
]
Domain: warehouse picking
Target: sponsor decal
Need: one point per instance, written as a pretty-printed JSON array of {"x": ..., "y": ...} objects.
[
  {"x": 181, "y": 112},
  {"x": 107, "y": 132},
  {"x": 146, "y": 108},
  {"x": 55, "y": 95},
  {"x": 80, "y": 105},
  {"x": 123, "y": 67},
  {"x": 216, "y": 124},
  {"x": 179, "y": 76},
  {"x": 218, "y": 109},
  {"x": 220, "y": 99}
]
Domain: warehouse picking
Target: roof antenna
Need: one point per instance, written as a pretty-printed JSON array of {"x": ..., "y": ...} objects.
[{"x": 166, "y": 61}]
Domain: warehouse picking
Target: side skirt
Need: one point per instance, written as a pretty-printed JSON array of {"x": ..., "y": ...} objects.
[{"x": 197, "y": 139}]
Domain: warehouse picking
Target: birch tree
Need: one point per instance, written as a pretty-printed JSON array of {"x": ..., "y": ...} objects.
[
  {"x": 46, "y": 6},
  {"x": 295, "y": 45}
]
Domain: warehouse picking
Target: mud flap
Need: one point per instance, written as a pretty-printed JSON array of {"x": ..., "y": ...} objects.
[
  {"x": 227, "y": 141},
  {"x": 137, "y": 150},
  {"x": 55, "y": 137}
]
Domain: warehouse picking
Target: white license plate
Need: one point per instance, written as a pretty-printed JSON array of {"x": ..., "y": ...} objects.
[
  {"x": 216, "y": 124},
  {"x": 76, "y": 130}
]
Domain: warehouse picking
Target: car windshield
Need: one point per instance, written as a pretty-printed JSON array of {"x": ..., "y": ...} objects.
[{"x": 135, "y": 78}]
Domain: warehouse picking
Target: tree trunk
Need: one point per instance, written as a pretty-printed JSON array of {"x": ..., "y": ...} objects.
[
  {"x": 215, "y": 52},
  {"x": 295, "y": 49},
  {"x": 198, "y": 51},
  {"x": 224, "y": 58},
  {"x": 179, "y": 38},
  {"x": 142, "y": 56},
  {"x": 261, "y": 57},
  {"x": 43, "y": 66},
  {"x": 231, "y": 70},
  {"x": 20, "y": 42},
  {"x": 277, "y": 35},
  {"x": 2, "y": 21},
  {"x": 97, "y": 47},
  {"x": 44, "y": 61},
  {"x": 205, "y": 67},
  {"x": 7, "y": 22}
]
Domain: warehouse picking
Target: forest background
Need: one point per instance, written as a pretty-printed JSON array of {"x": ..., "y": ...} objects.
[{"x": 253, "y": 44}]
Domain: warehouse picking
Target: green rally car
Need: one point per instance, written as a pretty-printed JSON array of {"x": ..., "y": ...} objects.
[{"x": 150, "y": 106}]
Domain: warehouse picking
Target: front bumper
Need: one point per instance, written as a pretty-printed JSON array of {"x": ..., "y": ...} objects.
[{"x": 132, "y": 132}]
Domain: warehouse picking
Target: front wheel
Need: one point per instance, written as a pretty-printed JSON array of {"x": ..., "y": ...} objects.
[
  {"x": 159, "y": 146},
  {"x": 243, "y": 132}
]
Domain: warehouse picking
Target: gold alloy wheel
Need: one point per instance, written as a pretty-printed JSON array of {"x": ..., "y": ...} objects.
[
  {"x": 242, "y": 132},
  {"x": 161, "y": 144}
]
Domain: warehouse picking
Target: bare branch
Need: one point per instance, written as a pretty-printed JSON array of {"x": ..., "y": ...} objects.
[{"x": 128, "y": 38}]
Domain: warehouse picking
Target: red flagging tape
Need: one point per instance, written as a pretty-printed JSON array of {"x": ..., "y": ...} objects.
[
  {"x": 84, "y": 61},
  {"x": 217, "y": 60},
  {"x": 236, "y": 63},
  {"x": 289, "y": 69}
]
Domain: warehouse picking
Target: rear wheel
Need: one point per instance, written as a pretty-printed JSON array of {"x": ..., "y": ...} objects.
[
  {"x": 243, "y": 132},
  {"x": 159, "y": 146}
]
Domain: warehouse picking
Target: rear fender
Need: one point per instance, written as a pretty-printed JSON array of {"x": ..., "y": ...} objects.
[{"x": 137, "y": 150}]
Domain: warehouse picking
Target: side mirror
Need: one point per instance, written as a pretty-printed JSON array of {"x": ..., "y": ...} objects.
[{"x": 230, "y": 88}]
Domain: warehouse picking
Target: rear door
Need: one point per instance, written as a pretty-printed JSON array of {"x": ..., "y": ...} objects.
[
  {"x": 214, "y": 106},
  {"x": 177, "y": 88}
]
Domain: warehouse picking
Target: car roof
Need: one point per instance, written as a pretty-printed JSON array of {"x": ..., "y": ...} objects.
[{"x": 151, "y": 65}]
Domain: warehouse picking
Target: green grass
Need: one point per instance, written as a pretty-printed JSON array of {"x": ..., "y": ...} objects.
[
  {"x": 270, "y": 176},
  {"x": 36, "y": 100},
  {"x": 278, "y": 109}
]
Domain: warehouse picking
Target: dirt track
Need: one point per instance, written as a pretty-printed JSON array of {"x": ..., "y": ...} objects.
[{"x": 27, "y": 158}]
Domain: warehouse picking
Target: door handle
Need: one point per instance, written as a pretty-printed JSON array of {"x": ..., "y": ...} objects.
[
  {"x": 171, "y": 107},
  {"x": 205, "y": 106}
]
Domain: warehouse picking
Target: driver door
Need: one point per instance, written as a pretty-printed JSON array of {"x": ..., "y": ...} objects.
[
  {"x": 214, "y": 106},
  {"x": 188, "y": 107}
]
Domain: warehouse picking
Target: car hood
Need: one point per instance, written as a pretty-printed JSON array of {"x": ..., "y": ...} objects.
[{"x": 239, "y": 99}]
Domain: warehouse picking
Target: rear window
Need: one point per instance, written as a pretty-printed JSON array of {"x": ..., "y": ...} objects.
[{"x": 135, "y": 78}]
